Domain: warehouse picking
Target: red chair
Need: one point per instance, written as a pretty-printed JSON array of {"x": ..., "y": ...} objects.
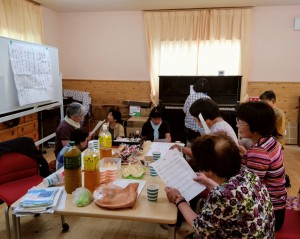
[
  {"x": 291, "y": 226},
  {"x": 18, "y": 173}
]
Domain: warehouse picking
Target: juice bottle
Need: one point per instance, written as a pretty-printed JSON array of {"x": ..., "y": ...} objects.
[
  {"x": 72, "y": 168},
  {"x": 105, "y": 143},
  {"x": 91, "y": 167}
]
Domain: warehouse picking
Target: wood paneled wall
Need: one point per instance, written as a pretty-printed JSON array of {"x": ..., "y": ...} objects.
[
  {"x": 104, "y": 92},
  {"x": 112, "y": 93},
  {"x": 287, "y": 96}
]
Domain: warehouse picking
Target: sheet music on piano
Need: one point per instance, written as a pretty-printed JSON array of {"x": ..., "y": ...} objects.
[{"x": 175, "y": 171}]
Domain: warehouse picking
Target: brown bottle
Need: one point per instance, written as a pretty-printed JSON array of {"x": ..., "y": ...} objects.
[{"x": 72, "y": 168}]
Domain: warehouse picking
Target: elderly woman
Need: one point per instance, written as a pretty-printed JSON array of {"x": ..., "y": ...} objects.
[
  {"x": 74, "y": 114},
  {"x": 114, "y": 125},
  {"x": 256, "y": 121},
  {"x": 156, "y": 129},
  {"x": 238, "y": 204}
]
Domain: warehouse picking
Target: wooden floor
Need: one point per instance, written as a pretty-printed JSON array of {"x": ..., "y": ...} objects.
[{"x": 49, "y": 226}]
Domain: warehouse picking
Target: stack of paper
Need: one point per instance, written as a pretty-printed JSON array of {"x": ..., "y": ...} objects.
[{"x": 39, "y": 200}]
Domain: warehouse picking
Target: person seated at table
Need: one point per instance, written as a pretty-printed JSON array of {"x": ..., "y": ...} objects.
[
  {"x": 256, "y": 121},
  {"x": 238, "y": 204},
  {"x": 80, "y": 137},
  {"x": 114, "y": 124},
  {"x": 74, "y": 115},
  {"x": 211, "y": 115},
  {"x": 156, "y": 129}
]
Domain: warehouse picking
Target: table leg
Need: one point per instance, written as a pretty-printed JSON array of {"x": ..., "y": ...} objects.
[
  {"x": 16, "y": 226},
  {"x": 171, "y": 232}
]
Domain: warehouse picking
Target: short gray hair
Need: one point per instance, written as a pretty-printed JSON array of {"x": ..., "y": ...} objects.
[{"x": 75, "y": 109}]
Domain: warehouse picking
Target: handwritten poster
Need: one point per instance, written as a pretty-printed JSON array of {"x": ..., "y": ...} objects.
[
  {"x": 31, "y": 67},
  {"x": 174, "y": 170}
]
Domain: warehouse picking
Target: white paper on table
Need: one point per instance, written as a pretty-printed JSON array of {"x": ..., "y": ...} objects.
[
  {"x": 123, "y": 183},
  {"x": 97, "y": 126},
  {"x": 174, "y": 170},
  {"x": 163, "y": 148}
]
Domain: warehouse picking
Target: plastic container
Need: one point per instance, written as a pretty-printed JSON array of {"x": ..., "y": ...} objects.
[
  {"x": 72, "y": 168},
  {"x": 109, "y": 168},
  {"x": 54, "y": 178},
  {"x": 105, "y": 143},
  {"x": 91, "y": 167}
]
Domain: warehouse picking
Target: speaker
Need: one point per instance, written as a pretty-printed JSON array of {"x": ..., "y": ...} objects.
[{"x": 297, "y": 23}]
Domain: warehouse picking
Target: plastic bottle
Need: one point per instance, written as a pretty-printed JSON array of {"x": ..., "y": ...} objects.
[
  {"x": 54, "y": 178},
  {"x": 91, "y": 167},
  {"x": 72, "y": 168},
  {"x": 105, "y": 143}
]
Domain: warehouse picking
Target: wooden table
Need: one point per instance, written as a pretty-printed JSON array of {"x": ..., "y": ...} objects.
[{"x": 161, "y": 212}]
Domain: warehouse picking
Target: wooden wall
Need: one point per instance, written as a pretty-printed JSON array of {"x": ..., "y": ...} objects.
[
  {"x": 287, "y": 95},
  {"x": 109, "y": 93}
]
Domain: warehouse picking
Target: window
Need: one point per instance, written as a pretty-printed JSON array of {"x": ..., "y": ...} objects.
[{"x": 185, "y": 58}]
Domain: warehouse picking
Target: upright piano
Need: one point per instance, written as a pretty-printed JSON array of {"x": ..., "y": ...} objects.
[{"x": 173, "y": 91}]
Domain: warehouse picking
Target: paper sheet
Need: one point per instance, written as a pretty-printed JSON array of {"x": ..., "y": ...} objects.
[
  {"x": 206, "y": 129},
  {"x": 163, "y": 148},
  {"x": 98, "y": 125},
  {"x": 174, "y": 170}
]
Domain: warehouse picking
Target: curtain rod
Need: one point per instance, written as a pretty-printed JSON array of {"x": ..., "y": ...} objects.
[{"x": 191, "y": 9}]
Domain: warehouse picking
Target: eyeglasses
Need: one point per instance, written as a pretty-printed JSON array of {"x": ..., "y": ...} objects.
[{"x": 240, "y": 123}]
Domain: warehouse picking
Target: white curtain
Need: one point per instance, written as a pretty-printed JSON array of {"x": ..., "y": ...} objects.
[
  {"x": 22, "y": 20},
  {"x": 189, "y": 32}
]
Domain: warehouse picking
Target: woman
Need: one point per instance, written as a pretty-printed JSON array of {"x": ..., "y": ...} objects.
[
  {"x": 256, "y": 121},
  {"x": 211, "y": 115},
  {"x": 238, "y": 204},
  {"x": 114, "y": 125},
  {"x": 156, "y": 129},
  {"x": 74, "y": 114},
  {"x": 192, "y": 129}
]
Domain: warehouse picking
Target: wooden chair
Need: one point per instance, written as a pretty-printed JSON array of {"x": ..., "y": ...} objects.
[{"x": 18, "y": 173}]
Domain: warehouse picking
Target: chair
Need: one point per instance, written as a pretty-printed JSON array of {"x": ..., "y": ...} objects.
[
  {"x": 18, "y": 173},
  {"x": 291, "y": 226}
]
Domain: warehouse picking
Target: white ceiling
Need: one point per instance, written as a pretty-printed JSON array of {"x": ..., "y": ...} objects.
[{"x": 137, "y": 5}]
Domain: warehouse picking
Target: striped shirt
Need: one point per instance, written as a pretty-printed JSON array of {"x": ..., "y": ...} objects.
[
  {"x": 189, "y": 120},
  {"x": 266, "y": 160}
]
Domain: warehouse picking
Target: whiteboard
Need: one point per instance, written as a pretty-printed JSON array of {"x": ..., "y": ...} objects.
[{"x": 8, "y": 91}]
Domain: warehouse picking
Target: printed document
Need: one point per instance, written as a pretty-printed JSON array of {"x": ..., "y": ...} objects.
[{"x": 175, "y": 171}]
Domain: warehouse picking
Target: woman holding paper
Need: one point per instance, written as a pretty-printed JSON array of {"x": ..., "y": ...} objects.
[
  {"x": 210, "y": 119},
  {"x": 238, "y": 204},
  {"x": 74, "y": 115}
]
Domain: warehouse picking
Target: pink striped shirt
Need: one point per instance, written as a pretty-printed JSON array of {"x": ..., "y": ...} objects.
[{"x": 266, "y": 160}]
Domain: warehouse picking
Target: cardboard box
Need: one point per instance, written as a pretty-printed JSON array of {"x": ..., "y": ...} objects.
[{"x": 135, "y": 121}]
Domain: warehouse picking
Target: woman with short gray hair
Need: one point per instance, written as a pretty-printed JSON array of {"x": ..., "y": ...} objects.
[{"x": 74, "y": 115}]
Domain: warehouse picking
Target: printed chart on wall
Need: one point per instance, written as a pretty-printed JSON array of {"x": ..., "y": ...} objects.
[{"x": 31, "y": 67}]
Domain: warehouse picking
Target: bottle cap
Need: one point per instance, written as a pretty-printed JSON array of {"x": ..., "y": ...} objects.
[
  {"x": 91, "y": 144},
  {"x": 72, "y": 143},
  {"x": 105, "y": 127}
]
